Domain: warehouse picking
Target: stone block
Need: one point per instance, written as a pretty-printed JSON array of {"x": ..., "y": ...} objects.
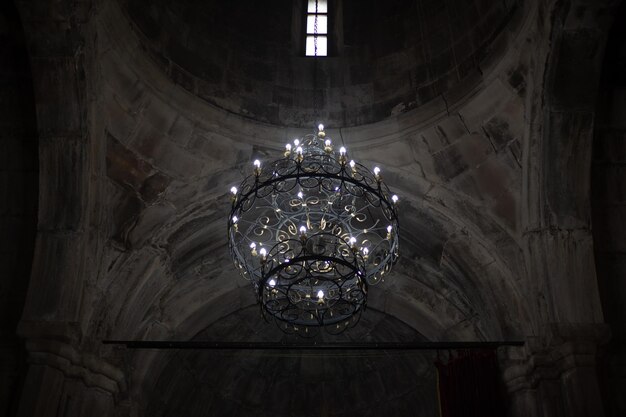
[
  {"x": 466, "y": 153},
  {"x": 153, "y": 187},
  {"x": 57, "y": 94},
  {"x": 127, "y": 208},
  {"x": 124, "y": 166},
  {"x": 117, "y": 75},
  {"x": 120, "y": 119},
  {"x": 63, "y": 185},
  {"x": 148, "y": 222},
  {"x": 183, "y": 78},
  {"x": 164, "y": 154},
  {"x": 160, "y": 115},
  {"x": 485, "y": 104},
  {"x": 58, "y": 258},
  {"x": 569, "y": 136},
  {"x": 498, "y": 130},
  {"x": 576, "y": 64}
]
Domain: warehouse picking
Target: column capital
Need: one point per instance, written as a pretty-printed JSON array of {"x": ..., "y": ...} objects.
[{"x": 91, "y": 369}]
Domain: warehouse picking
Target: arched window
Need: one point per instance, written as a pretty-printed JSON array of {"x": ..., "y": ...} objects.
[{"x": 317, "y": 28}]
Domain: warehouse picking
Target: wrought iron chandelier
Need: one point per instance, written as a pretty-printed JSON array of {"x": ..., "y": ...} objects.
[{"x": 312, "y": 231}]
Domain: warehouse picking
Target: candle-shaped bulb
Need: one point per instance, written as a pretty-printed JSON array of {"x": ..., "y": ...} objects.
[
  {"x": 394, "y": 198},
  {"x": 342, "y": 151},
  {"x": 376, "y": 171},
  {"x": 303, "y": 230},
  {"x": 389, "y": 228},
  {"x": 366, "y": 251},
  {"x": 252, "y": 245},
  {"x": 320, "y": 127},
  {"x": 352, "y": 164},
  {"x": 300, "y": 195},
  {"x": 352, "y": 241},
  {"x": 233, "y": 190},
  {"x": 296, "y": 142},
  {"x": 320, "y": 294},
  {"x": 272, "y": 282},
  {"x": 235, "y": 219},
  {"x": 299, "y": 150},
  {"x": 327, "y": 142},
  {"x": 263, "y": 252},
  {"x": 253, "y": 249},
  {"x": 257, "y": 163},
  {"x": 288, "y": 147}
]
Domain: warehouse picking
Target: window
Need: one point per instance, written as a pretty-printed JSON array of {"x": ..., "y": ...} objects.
[{"x": 317, "y": 28}]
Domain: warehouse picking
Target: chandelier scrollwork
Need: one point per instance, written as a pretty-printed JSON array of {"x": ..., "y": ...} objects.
[{"x": 312, "y": 231}]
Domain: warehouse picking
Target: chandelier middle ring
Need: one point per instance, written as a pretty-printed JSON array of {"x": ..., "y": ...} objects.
[{"x": 312, "y": 231}]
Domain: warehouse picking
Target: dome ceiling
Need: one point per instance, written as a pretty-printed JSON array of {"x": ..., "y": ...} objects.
[{"x": 387, "y": 57}]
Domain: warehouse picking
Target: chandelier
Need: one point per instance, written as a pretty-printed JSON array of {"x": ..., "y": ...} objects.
[{"x": 312, "y": 231}]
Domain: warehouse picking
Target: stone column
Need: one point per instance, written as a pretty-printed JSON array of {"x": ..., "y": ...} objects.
[
  {"x": 62, "y": 378},
  {"x": 556, "y": 375},
  {"x": 65, "y": 381}
]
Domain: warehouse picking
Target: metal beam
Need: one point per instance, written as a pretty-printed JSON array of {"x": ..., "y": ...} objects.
[{"x": 201, "y": 345}]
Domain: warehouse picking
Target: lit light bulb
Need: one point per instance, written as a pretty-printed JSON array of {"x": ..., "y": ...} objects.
[
  {"x": 342, "y": 151},
  {"x": 327, "y": 146},
  {"x": 233, "y": 190},
  {"x": 257, "y": 163},
  {"x": 300, "y": 195},
  {"x": 394, "y": 198},
  {"x": 272, "y": 282},
  {"x": 389, "y": 228},
  {"x": 288, "y": 147},
  {"x": 320, "y": 294},
  {"x": 235, "y": 219},
  {"x": 366, "y": 251},
  {"x": 299, "y": 150},
  {"x": 252, "y": 245},
  {"x": 296, "y": 142},
  {"x": 377, "y": 172},
  {"x": 353, "y": 241},
  {"x": 303, "y": 230},
  {"x": 352, "y": 164},
  {"x": 263, "y": 252},
  {"x": 320, "y": 127}
]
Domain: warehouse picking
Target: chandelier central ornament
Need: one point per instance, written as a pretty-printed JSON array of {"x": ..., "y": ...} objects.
[{"x": 312, "y": 231}]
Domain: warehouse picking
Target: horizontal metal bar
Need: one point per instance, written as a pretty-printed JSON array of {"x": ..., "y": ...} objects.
[{"x": 155, "y": 344}]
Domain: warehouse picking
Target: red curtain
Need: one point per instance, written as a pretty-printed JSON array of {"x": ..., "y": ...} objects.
[{"x": 468, "y": 385}]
